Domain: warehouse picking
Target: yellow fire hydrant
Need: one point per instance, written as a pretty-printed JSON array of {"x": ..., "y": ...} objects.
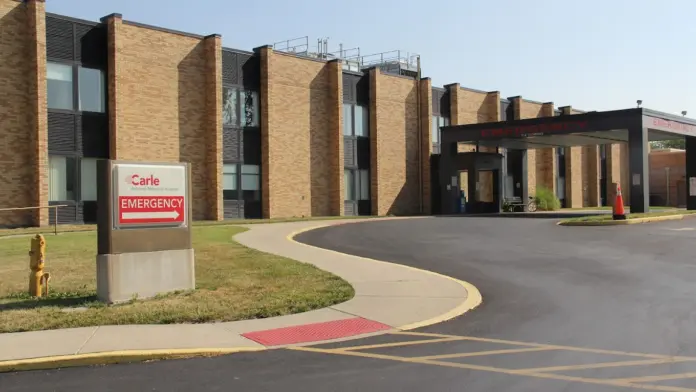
[{"x": 37, "y": 276}]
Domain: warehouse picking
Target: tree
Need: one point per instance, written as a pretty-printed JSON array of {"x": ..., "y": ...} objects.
[{"x": 663, "y": 144}]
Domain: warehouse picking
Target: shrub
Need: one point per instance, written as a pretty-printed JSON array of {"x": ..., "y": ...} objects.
[{"x": 546, "y": 200}]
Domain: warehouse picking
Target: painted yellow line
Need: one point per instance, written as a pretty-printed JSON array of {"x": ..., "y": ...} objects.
[
  {"x": 397, "y": 344},
  {"x": 484, "y": 353},
  {"x": 548, "y": 376},
  {"x": 551, "y": 346},
  {"x": 603, "y": 365},
  {"x": 472, "y": 300},
  {"x": 664, "y": 377},
  {"x": 111, "y": 357}
]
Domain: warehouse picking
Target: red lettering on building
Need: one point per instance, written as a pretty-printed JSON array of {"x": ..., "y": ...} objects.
[
  {"x": 673, "y": 125},
  {"x": 538, "y": 129}
]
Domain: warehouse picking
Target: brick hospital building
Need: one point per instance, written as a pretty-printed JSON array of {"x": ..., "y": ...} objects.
[{"x": 273, "y": 132}]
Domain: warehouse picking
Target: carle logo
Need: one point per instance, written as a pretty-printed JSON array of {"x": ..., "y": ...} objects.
[{"x": 137, "y": 180}]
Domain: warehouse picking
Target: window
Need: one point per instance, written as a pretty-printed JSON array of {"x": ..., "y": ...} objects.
[
  {"x": 347, "y": 119},
  {"x": 240, "y": 108},
  {"x": 356, "y": 120},
  {"x": 250, "y": 114},
  {"x": 230, "y": 102},
  {"x": 229, "y": 182},
  {"x": 362, "y": 121},
  {"x": 88, "y": 179},
  {"x": 348, "y": 184},
  {"x": 364, "y": 184},
  {"x": 357, "y": 184},
  {"x": 91, "y": 90},
  {"x": 59, "y": 79},
  {"x": 250, "y": 183},
  {"x": 61, "y": 178},
  {"x": 437, "y": 122}
]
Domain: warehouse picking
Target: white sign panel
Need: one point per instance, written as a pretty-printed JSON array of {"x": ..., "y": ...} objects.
[{"x": 150, "y": 195}]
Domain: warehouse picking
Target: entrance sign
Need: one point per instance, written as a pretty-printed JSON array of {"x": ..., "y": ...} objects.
[
  {"x": 149, "y": 195},
  {"x": 144, "y": 246}
]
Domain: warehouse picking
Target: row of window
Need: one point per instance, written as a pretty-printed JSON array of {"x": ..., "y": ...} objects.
[{"x": 61, "y": 89}]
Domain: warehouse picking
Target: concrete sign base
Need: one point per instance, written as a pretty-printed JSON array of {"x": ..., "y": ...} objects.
[{"x": 121, "y": 277}]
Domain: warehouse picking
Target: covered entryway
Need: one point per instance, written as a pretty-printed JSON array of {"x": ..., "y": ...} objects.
[{"x": 635, "y": 127}]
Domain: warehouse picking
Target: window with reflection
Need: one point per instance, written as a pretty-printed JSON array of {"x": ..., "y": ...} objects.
[{"x": 240, "y": 108}]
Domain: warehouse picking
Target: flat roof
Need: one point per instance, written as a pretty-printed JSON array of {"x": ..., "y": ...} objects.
[{"x": 589, "y": 128}]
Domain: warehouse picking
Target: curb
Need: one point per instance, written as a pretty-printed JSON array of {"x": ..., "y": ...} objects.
[
  {"x": 624, "y": 222},
  {"x": 473, "y": 299},
  {"x": 113, "y": 357}
]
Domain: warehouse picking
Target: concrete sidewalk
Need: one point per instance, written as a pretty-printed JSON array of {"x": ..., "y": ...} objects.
[{"x": 387, "y": 295}]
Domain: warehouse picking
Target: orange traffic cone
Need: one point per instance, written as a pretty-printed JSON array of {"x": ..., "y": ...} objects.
[{"x": 618, "y": 212}]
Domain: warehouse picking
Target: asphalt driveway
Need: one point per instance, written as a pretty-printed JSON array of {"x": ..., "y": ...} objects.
[{"x": 565, "y": 309}]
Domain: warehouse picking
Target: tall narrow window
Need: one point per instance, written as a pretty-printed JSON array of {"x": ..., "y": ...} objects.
[
  {"x": 59, "y": 78},
  {"x": 61, "y": 178},
  {"x": 229, "y": 182},
  {"x": 347, "y": 119},
  {"x": 91, "y": 90},
  {"x": 230, "y": 102},
  {"x": 364, "y": 184},
  {"x": 362, "y": 121},
  {"x": 250, "y": 112},
  {"x": 435, "y": 137},
  {"x": 348, "y": 184},
  {"x": 88, "y": 179},
  {"x": 251, "y": 188}
]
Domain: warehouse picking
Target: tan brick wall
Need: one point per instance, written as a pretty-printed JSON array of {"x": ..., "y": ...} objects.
[
  {"x": 613, "y": 162},
  {"x": 298, "y": 134},
  {"x": 546, "y": 162},
  {"x": 36, "y": 18},
  {"x": 22, "y": 112},
  {"x": 525, "y": 109},
  {"x": 336, "y": 190},
  {"x": 670, "y": 187},
  {"x": 394, "y": 144},
  {"x": 213, "y": 131},
  {"x": 473, "y": 107},
  {"x": 162, "y": 104},
  {"x": 426, "y": 145}
]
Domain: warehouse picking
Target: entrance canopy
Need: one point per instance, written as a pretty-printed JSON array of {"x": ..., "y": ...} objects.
[{"x": 571, "y": 130}]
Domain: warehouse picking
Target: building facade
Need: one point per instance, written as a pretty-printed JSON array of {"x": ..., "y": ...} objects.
[{"x": 268, "y": 133}]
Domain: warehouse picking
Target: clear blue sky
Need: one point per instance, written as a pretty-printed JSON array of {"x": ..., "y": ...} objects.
[{"x": 591, "y": 54}]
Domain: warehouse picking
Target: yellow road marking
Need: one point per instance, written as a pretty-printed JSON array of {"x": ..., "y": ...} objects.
[
  {"x": 549, "y": 376},
  {"x": 602, "y": 365},
  {"x": 551, "y": 346},
  {"x": 658, "y": 378},
  {"x": 482, "y": 353},
  {"x": 399, "y": 344}
]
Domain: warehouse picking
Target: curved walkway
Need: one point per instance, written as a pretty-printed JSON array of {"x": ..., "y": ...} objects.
[{"x": 388, "y": 296}]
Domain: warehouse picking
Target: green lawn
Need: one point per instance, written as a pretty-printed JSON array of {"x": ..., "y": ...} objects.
[
  {"x": 608, "y": 208},
  {"x": 233, "y": 283},
  {"x": 81, "y": 228}
]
